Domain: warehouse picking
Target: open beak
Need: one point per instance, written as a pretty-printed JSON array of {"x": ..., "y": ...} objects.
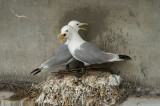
[
  {"x": 64, "y": 35},
  {"x": 59, "y": 35},
  {"x": 82, "y": 27}
]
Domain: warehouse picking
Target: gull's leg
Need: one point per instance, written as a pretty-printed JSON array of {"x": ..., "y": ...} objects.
[
  {"x": 78, "y": 67},
  {"x": 83, "y": 71},
  {"x": 67, "y": 67}
]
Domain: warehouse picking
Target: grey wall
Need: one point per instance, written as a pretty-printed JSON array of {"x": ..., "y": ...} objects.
[{"x": 128, "y": 27}]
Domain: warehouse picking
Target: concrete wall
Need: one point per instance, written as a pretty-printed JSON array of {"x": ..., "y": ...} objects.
[{"x": 128, "y": 27}]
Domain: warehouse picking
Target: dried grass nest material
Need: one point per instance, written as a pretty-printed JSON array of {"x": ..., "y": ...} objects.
[{"x": 93, "y": 88}]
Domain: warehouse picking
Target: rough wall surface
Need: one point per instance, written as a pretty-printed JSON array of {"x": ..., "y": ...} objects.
[{"x": 28, "y": 30}]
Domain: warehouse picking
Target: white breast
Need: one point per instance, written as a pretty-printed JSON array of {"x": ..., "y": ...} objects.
[{"x": 74, "y": 45}]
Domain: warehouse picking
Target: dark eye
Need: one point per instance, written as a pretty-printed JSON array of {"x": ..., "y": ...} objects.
[
  {"x": 66, "y": 30},
  {"x": 77, "y": 24}
]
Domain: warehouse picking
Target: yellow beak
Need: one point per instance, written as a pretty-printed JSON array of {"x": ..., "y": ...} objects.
[
  {"x": 59, "y": 35},
  {"x": 64, "y": 35},
  {"x": 84, "y": 24},
  {"x": 82, "y": 27}
]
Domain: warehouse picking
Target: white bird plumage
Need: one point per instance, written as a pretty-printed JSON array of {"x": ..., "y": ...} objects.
[
  {"x": 87, "y": 52},
  {"x": 62, "y": 56}
]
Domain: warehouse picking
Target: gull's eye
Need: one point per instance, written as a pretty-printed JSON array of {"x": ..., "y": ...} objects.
[
  {"x": 66, "y": 30},
  {"x": 77, "y": 24}
]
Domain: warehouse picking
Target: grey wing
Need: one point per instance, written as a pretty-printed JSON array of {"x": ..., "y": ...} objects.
[
  {"x": 61, "y": 57},
  {"x": 91, "y": 54}
]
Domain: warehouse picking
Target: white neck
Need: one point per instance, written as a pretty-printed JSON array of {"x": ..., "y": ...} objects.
[
  {"x": 74, "y": 42},
  {"x": 75, "y": 37}
]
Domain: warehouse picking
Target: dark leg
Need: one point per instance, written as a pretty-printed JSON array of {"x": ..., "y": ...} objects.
[
  {"x": 78, "y": 67},
  {"x": 83, "y": 71},
  {"x": 67, "y": 67}
]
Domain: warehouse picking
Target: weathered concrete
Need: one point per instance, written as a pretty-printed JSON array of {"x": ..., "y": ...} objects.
[
  {"x": 125, "y": 27},
  {"x": 6, "y": 95},
  {"x": 141, "y": 102},
  {"x": 16, "y": 103}
]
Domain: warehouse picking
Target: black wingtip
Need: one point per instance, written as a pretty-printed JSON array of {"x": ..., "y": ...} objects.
[
  {"x": 125, "y": 57},
  {"x": 36, "y": 71}
]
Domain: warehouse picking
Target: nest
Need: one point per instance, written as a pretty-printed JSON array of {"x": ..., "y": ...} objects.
[{"x": 93, "y": 88}]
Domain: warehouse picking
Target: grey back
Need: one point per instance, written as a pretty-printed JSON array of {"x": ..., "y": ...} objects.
[{"x": 91, "y": 54}]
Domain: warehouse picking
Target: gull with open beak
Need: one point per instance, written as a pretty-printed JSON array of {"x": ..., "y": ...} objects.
[
  {"x": 87, "y": 52},
  {"x": 62, "y": 56},
  {"x": 76, "y": 25}
]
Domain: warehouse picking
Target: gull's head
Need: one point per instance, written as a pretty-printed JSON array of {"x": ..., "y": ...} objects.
[
  {"x": 66, "y": 31},
  {"x": 77, "y": 25}
]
